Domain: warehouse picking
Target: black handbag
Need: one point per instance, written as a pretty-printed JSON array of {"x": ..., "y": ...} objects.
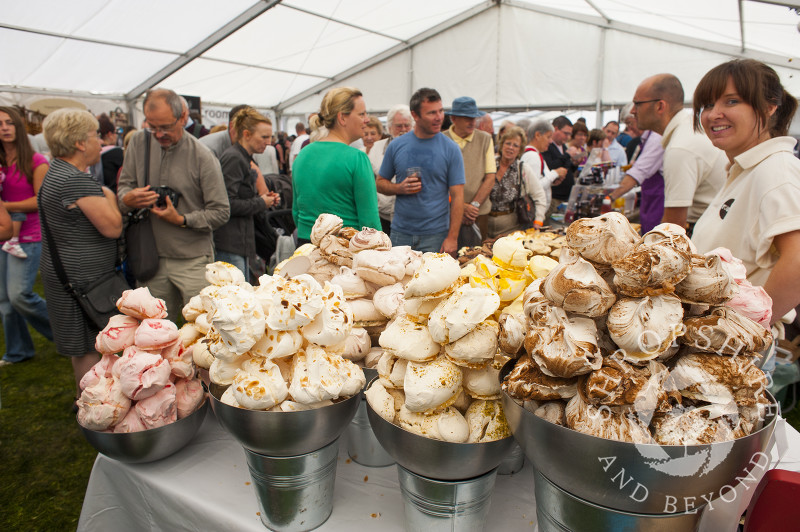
[
  {"x": 140, "y": 244},
  {"x": 524, "y": 205},
  {"x": 97, "y": 299}
]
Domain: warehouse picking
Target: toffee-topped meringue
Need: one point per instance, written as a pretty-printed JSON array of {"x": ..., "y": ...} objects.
[
  {"x": 259, "y": 385},
  {"x": 432, "y": 385},
  {"x": 709, "y": 282},
  {"x": 448, "y": 425},
  {"x": 277, "y": 344},
  {"x": 334, "y": 323},
  {"x": 575, "y": 286},
  {"x": 461, "y": 313},
  {"x": 436, "y": 274},
  {"x": 645, "y": 327},
  {"x": 239, "y": 317},
  {"x": 476, "y": 348},
  {"x": 409, "y": 340},
  {"x": 369, "y": 238},
  {"x": 603, "y": 239},
  {"x": 326, "y": 224},
  {"x": 381, "y": 401},
  {"x": 221, "y": 273},
  {"x": 317, "y": 375},
  {"x": 564, "y": 346},
  {"x": 726, "y": 332},
  {"x": 487, "y": 421},
  {"x": 295, "y": 303}
]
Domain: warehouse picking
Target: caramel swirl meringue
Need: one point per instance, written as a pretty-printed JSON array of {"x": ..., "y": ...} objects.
[
  {"x": 718, "y": 379},
  {"x": 369, "y": 238},
  {"x": 709, "y": 282},
  {"x": 696, "y": 425},
  {"x": 575, "y": 286},
  {"x": 651, "y": 270},
  {"x": 618, "y": 383},
  {"x": 603, "y": 239},
  {"x": 528, "y": 382},
  {"x": 326, "y": 224},
  {"x": 726, "y": 332},
  {"x": 645, "y": 327},
  {"x": 336, "y": 249},
  {"x": 671, "y": 235},
  {"x": 565, "y": 346},
  {"x": 613, "y": 423},
  {"x": 512, "y": 333}
]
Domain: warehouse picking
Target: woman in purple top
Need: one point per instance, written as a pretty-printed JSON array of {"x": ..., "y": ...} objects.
[{"x": 24, "y": 172}]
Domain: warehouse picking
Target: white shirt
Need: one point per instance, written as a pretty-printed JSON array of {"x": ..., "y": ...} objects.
[
  {"x": 296, "y": 145},
  {"x": 694, "y": 169},
  {"x": 759, "y": 200},
  {"x": 268, "y": 161},
  {"x": 534, "y": 163},
  {"x": 617, "y": 154}
]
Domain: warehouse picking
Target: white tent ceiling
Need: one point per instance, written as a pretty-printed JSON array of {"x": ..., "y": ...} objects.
[{"x": 283, "y": 55}]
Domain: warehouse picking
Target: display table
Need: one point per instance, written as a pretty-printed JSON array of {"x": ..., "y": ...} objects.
[{"x": 206, "y": 486}]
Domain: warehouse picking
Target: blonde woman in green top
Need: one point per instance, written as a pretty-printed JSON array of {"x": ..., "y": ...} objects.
[{"x": 330, "y": 176}]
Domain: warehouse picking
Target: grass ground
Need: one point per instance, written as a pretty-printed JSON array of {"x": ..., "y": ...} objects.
[{"x": 44, "y": 460}]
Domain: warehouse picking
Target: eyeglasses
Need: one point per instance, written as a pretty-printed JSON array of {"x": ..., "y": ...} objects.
[
  {"x": 636, "y": 104},
  {"x": 160, "y": 129}
]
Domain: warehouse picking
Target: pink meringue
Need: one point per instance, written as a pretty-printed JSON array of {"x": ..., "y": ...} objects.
[
  {"x": 117, "y": 334},
  {"x": 141, "y": 374},
  {"x": 100, "y": 370},
  {"x": 753, "y": 302},
  {"x": 140, "y": 304},
  {"x": 155, "y": 334},
  {"x": 130, "y": 423},
  {"x": 189, "y": 395},
  {"x": 103, "y": 405},
  {"x": 180, "y": 359},
  {"x": 159, "y": 409}
]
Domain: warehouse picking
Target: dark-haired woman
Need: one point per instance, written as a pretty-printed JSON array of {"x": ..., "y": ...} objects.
[
  {"x": 745, "y": 111},
  {"x": 24, "y": 172}
]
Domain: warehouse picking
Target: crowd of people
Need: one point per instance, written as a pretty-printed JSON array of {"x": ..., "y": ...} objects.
[{"x": 724, "y": 170}]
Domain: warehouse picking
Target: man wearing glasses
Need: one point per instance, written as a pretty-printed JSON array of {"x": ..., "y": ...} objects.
[
  {"x": 182, "y": 231},
  {"x": 693, "y": 168}
]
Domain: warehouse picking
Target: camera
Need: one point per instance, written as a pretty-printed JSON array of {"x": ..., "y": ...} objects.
[{"x": 163, "y": 193}]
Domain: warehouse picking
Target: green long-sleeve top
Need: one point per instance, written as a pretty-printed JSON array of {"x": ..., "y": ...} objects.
[{"x": 331, "y": 177}]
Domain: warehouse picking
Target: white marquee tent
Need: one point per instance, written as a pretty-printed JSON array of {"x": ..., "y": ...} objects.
[{"x": 281, "y": 56}]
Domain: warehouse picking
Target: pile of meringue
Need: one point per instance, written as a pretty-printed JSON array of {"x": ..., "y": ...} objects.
[
  {"x": 152, "y": 383},
  {"x": 277, "y": 346},
  {"x": 544, "y": 243},
  {"x": 643, "y": 340}
]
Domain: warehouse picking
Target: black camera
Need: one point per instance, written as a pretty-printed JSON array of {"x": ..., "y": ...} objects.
[{"x": 163, "y": 193}]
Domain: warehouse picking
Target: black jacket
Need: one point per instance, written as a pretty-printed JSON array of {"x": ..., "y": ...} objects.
[
  {"x": 556, "y": 159},
  {"x": 238, "y": 234}
]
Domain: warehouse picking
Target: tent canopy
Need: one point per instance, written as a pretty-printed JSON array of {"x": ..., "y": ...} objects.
[{"x": 511, "y": 55}]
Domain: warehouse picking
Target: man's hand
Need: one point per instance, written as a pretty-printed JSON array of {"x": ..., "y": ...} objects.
[
  {"x": 168, "y": 213},
  {"x": 410, "y": 185},
  {"x": 140, "y": 198},
  {"x": 470, "y": 214},
  {"x": 450, "y": 245},
  {"x": 562, "y": 173}
]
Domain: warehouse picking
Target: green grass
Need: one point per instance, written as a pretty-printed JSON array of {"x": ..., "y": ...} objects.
[{"x": 44, "y": 460}]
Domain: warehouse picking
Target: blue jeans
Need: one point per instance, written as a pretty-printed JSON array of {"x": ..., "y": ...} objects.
[
  {"x": 421, "y": 243},
  {"x": 19, "y": 304},
  {"x": 239, "y": 261}
]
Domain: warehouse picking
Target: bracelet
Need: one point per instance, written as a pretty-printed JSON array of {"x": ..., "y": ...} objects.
[
  {"x": 475, "y": 204},
  {"x": 537, "y": 223}
]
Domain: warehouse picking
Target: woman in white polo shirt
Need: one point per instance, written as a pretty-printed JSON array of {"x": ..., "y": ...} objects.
[{"x": 745, "y": 111}]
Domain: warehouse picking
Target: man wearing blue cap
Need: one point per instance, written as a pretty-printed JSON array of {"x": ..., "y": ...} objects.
[
  {"x": 430, "y": 180},
  {"x": 477, "y": 149}
]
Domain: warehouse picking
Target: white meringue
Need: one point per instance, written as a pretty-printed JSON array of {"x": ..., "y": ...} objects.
[
  {"x": 389, "y": 300},
  {"x": 365, "y": 314},
  {"x": 326, "y": 224},
  {"x": 603, "y": 239},
  {"x": 353, "y": 286},
  {"x": 487, "y": 422},
  {"x": 432, "y": 385},
  {"x": 221, "y": 273},
  {"x": 380, "y": 267},
  {"x": 476, "y": 348},
  {"x": 222, "y": 373},
  {"x": 461, "y": 313},
  {"x": 482, "y": 383},
  {"x": 448, "y": 425},
  {"x": 418, "y": 308},
  {"x": 381, "y": 401},
  {"x": 201, "y": 356},
  {"x": 202, "y": 324},
  {"x": 409, "y": 340},
  {"x": 333, "y": 324},
  {"x": 391, "y": 370},
  {"x": 188, "y": 334},
  {"x": 193, "y": 308},
  {"x": 436, "y": 273},
  {"x": 357, "y": 344}
]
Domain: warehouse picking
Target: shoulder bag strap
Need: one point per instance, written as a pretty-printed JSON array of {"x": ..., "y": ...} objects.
[
  {"x": 522, "y": 189},
  {"x": 54, "y": 257},
  {"x": 146, "y": 158}
]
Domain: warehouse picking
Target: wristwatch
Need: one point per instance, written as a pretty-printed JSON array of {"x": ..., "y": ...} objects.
[
  {"x": 475, "y": 204},
  {"x": 184, "y": 222}
]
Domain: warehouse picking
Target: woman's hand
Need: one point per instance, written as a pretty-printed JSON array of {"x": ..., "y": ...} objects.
[{"x": 271, "y": 198}]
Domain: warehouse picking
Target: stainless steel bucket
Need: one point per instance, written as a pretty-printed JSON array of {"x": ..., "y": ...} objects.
[
  {"x": 295, "y": 493},
  {"x": 559, "y": 511},
  {"x": 513, "y": 461},
  {"x": 362, "y": 445},
  {"x": 445, "y": 506}
]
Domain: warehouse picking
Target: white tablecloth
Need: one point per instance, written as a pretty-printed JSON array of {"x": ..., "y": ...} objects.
[{"x": 206, "y": 486}]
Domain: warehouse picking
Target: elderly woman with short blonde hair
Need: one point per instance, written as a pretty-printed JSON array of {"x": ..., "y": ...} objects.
[{"x": 83, "y": 222}]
